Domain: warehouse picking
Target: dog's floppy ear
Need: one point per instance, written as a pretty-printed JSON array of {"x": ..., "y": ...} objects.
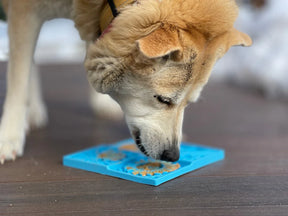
[
  {"x": 159, "y": 43},
  {"x": 237, "y": 38}
]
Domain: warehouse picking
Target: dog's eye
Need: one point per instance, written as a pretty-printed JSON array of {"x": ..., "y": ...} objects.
[{"x": 164, "y": 100}]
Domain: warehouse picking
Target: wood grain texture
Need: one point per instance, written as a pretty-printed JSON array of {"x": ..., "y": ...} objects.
[{"x": 252, "y": 180}]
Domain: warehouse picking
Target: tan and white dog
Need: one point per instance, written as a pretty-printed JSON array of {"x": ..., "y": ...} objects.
[{"x": 153, "y": 59}]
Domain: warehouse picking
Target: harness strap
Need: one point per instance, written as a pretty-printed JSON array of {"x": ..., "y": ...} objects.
[{"x": 113, "y": 8}]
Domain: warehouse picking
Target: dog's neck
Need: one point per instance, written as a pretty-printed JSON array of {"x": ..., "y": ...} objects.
[{"x": 107, "y": 15}]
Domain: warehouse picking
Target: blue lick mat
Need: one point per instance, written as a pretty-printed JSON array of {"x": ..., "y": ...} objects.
[{"x": 124, "y": 160}]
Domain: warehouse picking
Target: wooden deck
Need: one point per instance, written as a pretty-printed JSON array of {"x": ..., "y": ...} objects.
[{"x": 252, "y": 180}]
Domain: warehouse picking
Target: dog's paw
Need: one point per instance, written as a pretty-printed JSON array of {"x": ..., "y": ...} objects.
[
  {"x": 10, "y": 148},
  {"x": 105, "y": 106},
  {"x": 104, "y": 74}
]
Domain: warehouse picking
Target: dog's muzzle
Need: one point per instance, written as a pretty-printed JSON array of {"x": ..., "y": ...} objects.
[{"x": 170, "y": 155}]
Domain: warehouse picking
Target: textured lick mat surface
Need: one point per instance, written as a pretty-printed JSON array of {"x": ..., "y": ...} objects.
[{"x": 124, "y": 160}]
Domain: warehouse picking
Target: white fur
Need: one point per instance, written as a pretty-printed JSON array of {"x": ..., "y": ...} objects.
[
  {"x": 105, "y": 106},
  {"x": 196, "y": 94},
  {"x": 37, "y": 112},
  {"x": 158, "y": 126},
  {"x": 24, "y": 107},
  {"x": 14, "y": 122}
]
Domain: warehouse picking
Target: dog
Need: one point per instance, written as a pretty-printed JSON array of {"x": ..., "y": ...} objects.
[{"x": 153, "y": 58}]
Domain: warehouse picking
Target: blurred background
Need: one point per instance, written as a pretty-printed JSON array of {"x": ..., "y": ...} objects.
[{"x": 263, "y": 66}]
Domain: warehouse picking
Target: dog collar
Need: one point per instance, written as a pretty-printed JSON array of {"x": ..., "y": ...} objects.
[{"x": 110, "y": 11}]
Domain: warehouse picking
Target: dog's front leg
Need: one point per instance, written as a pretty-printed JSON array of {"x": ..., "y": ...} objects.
[
  {"x": 24, "y": 26},
  {"x": 37, "y": 112}
]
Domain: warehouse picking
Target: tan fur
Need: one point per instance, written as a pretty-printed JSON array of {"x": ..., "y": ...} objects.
[
  {"x": 161, "y": 42},
  {"x": 203, "y": 27},
  {"x": 5, "y": 5},
  {"x": 155, "y": 59},
  {"x": 211, "y": 18},
  {"x": 106, "y": 14},
  {"x": 194, "y": 33},
  {"x": 87, "y": 19}
]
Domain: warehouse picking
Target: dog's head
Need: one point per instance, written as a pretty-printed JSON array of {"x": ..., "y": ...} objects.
[{"x": 155, "y": 60}]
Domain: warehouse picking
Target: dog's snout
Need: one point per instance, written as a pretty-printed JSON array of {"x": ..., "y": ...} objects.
[{"x": 170, "y": 155}]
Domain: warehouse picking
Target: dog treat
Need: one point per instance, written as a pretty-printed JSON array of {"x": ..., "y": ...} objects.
[
  {"x": 124, "y": 160},
  {"x": 111, "y": 155},
  {"x": 130, "y": 147},
  {"x": 153, "y": 168}
]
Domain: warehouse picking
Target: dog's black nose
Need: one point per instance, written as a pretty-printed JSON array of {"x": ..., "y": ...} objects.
[{"x": 170, "y": 155}]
